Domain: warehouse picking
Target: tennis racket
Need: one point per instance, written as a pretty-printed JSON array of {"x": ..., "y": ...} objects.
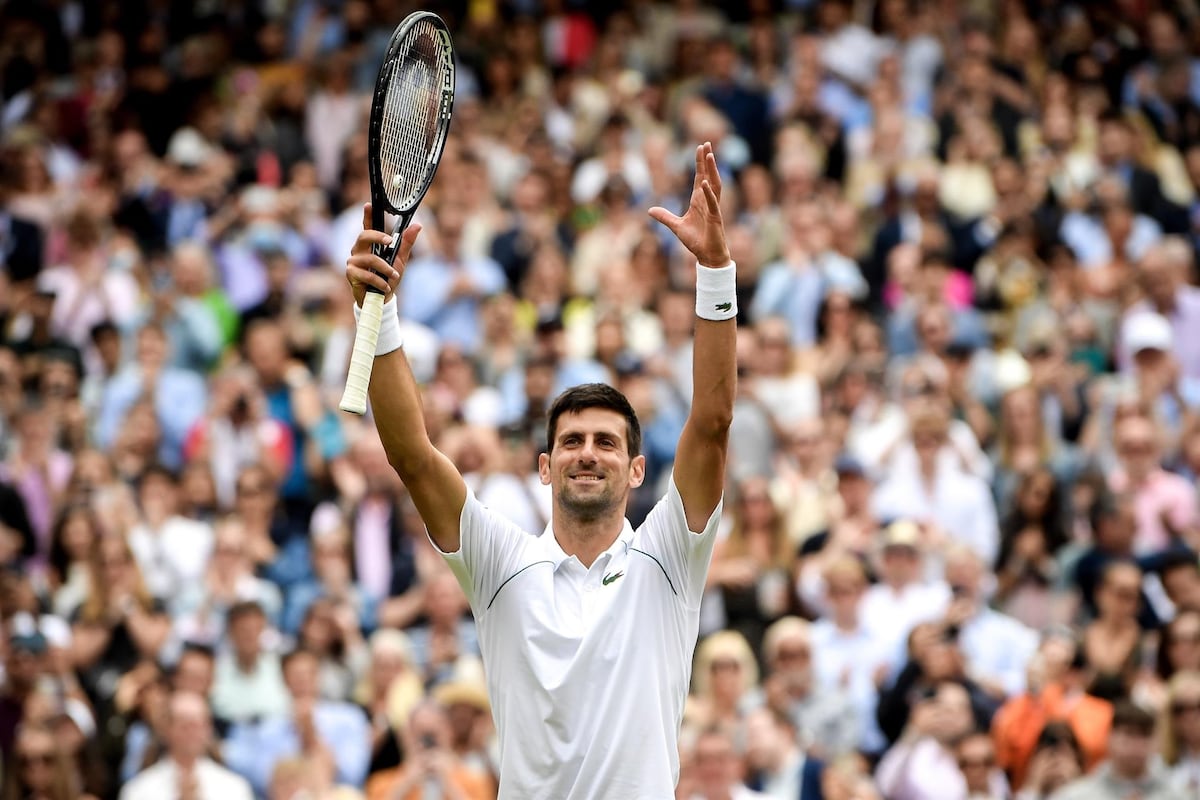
[{"x": 410, "y": 117}]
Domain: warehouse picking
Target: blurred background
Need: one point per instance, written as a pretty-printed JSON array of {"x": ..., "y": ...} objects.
[{"x": 959, "y": 548}]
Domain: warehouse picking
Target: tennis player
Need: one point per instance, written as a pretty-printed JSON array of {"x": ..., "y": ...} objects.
[{"x": 587, "y": 631}]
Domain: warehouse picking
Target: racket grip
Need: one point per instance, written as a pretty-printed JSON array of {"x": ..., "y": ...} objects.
[{"x": 362, "y": 358}]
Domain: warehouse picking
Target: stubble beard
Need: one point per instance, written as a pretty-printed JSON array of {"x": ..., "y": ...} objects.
[{"x": 587, "y": 508}]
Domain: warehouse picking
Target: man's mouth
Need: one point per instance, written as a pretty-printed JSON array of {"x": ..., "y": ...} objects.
[{"x": 586, "y": 477}]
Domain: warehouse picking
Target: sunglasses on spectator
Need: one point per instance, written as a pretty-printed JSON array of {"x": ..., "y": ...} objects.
[
  {"x": 44, "y": 758},
  {"x": 724, "y": 664},
  {"x": 793, "y": 654},
  {"x": 1181, "y": 707},
  {"x": 986, "y": 762}
]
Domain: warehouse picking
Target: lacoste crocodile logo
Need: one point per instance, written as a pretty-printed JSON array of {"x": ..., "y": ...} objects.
[
  {"x": 612, "y": 577},
  {"x": 723, "y": 306}
]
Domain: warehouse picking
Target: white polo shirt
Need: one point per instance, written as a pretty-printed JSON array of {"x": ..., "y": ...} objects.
[{"x": 587, "y": 669}]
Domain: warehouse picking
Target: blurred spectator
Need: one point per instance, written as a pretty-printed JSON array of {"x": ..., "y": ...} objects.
[
  {"x": 1179, "y": 728},
  {"x": 1056, "y": 762},
  {"x": 186, "y": 771},
  {"x": 333, "y": 735},
  {"x": 824, "y": 719},
  {"x": 1056, "y": 703},
  {"x": 248, "y": 677},
  {"x": 778, "y": 767},
  {"x": 923, "y": 762},
  {"x": 848, "y": 656},
  {"x": 716, "y": 770},
  {"x": 431, "y": 766},
  {"x": 1130, "y": 767},
  {"x": 723, "y": 675}
]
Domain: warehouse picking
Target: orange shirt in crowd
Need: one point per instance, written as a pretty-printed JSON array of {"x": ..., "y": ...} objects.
[
  {"x": 469, "y": 784},
  {"x": 1020, "y": 721}
]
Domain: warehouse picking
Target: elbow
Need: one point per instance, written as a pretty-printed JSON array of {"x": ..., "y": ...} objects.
[
  {"x": 408, "y": 464},
  {"x": 715, "y": 426}
]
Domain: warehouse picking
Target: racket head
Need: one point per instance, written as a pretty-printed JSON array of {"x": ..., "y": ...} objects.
[{"x": 410, "y": 115}]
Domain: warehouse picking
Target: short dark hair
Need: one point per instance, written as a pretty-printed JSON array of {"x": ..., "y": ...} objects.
[
  {"x": 1131, "y": 717},
  {"x": 243, "y": 608},
  {"x": 595, "y": 395}
]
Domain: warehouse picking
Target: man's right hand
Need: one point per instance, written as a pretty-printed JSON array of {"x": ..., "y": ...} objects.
[{"x": 364, "y": 268}]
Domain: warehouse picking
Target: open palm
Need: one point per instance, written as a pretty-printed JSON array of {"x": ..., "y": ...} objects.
[{"x": 701, "y": 229}]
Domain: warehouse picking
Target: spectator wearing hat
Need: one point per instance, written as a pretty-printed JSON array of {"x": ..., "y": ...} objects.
[
  {"x": 902, "y": 597},
  {"x": 187, "y": 771},
  {"x": 1149, "y": 340},
  {"x": 472, "y": 731},
  {"x": 1163, "y": 275},
  {"x": 1131, "y": 769}
]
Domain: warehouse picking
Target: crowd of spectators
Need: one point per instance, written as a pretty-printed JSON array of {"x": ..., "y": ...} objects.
[{"x": 959, "y": 547}]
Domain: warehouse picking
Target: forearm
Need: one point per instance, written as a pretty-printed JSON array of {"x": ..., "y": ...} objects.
[
  {"x": 396, "y": 405},
  {"x": 714, "y": 376}
]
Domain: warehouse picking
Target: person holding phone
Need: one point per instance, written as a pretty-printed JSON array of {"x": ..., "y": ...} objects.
[{"x": 431, "y": 768}]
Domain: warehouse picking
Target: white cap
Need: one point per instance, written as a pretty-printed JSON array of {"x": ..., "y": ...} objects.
[
  {"x": 188, "y": 148},
  {"x": 1147, "y": 330}
]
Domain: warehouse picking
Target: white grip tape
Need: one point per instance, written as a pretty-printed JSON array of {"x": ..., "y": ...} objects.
[
  {"x": 362, "y": 358},
  {"x": 716, "y": 292}
]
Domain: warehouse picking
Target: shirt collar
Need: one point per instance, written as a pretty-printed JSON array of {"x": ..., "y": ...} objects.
[{"x": 552, "y": 551}]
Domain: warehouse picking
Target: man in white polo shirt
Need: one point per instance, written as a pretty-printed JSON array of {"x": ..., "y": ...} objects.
[{"x": 587, "y": 631}]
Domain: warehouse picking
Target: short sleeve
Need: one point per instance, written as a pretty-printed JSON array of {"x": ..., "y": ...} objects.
[
  {"x": 683, "y": 554},
  {"x": 489, "y": 552}
]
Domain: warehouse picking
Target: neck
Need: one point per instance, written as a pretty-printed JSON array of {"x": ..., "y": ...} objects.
[
  {"x": 246, "y": 662},
  {"x": 586, "y": 539},
  {"x": 1130, "y": 775},
  {"x": 186, "y": 762},
  {"x": 847, "y": 624}
]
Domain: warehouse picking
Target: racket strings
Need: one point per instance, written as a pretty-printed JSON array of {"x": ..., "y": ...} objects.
[{"x": 410, "y": 132}]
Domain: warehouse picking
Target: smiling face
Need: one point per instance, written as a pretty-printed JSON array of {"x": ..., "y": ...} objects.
[{"x": 589, "y": 464}]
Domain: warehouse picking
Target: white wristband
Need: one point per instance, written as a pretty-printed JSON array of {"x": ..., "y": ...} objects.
[
  {"x": 716, "y": 292},
  {"x": 389, "y": 327}
]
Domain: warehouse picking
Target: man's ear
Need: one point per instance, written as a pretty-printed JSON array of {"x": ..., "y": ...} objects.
[
  {"x": 637, "y": 471},
  {"x": 544, "y": 468}
]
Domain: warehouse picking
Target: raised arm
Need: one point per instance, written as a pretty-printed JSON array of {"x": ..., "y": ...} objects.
[
  {"x": 700, "y": 456},
  {"x": 431, "y": 478}
]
